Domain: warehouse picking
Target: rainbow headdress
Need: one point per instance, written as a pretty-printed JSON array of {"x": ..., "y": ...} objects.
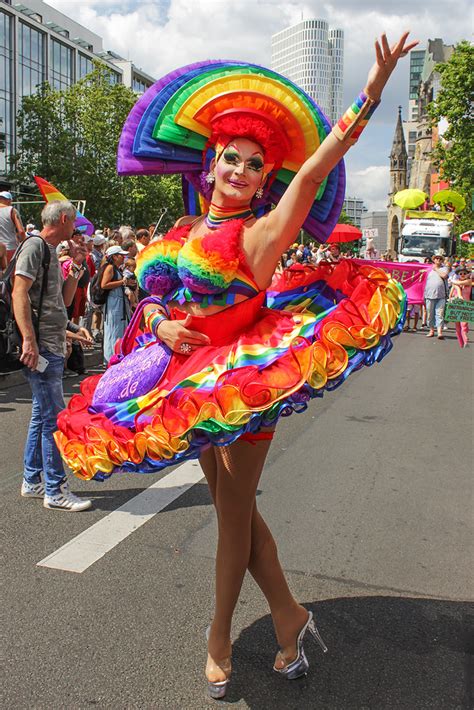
[{"x": 170, "y": 127}]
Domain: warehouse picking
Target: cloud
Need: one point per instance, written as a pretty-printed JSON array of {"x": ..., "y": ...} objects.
[
  {"x": 370, "y": 184},
  {"x": 160, "y": 35}
]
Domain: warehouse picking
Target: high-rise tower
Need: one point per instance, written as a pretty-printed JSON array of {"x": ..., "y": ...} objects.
[{"x": 312, "y": 55}]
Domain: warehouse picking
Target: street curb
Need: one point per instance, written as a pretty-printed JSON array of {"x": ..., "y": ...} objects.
[{"x": 14, "y": 379}]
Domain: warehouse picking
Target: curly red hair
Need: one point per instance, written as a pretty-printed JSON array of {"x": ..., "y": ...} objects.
[{"x": 240, "y": 125}]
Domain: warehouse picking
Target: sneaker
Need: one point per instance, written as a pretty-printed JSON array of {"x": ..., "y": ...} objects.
[
  {"x": 66, "y": 500},
  {"x": 32, "y": 490}
]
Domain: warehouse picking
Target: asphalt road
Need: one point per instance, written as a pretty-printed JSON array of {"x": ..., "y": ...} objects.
[{"x": 369, "y": 494}]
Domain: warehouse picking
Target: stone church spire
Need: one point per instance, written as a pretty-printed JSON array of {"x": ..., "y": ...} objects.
[
  {"x": 398, "y": 158},
  {"x": 398, "y": 181}
]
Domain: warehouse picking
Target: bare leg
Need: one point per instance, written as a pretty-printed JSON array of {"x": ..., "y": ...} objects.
[
  {"x": 264, "y": 565},
  {"x": 288, "y": 616},
  {"x": 239, "y": 467}
]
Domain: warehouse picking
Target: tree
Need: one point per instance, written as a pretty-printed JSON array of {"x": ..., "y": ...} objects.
[
  {"x": 453, "y": 154},
  {"x": 70, "y": 138}
]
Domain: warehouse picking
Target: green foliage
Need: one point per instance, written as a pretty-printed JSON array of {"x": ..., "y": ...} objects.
[
  {"x": 454, "y": 154},
  {"x": 345, "y": 219},
  {"x": 464, "y": 249},
  {"x": 70, "y": 138}
]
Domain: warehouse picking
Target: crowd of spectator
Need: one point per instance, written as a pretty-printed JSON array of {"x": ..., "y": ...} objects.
[
  {"x": 109, "y": 257},
  {"x": 448, "y": 279}
]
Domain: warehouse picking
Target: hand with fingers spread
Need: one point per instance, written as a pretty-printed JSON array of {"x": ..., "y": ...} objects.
[
  {"x": 385, "y": 62},
  {"x": 178, "y": 337}
]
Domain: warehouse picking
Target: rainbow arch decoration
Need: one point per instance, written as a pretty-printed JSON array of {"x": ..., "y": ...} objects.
[{"x": 168, "y": 129}]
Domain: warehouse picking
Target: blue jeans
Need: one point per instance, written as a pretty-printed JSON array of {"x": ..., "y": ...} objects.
[
  {"x": 435, "y": 312},
  {"x": 41, "y": 453}
]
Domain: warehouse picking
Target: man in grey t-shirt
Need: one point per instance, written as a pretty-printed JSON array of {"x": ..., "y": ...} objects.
[{"x": 43, "y": 356}]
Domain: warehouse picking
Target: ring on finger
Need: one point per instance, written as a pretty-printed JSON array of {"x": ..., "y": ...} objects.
[{"x": 185, "y": 348}]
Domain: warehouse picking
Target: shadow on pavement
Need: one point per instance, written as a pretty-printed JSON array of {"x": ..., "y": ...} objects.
[
  {"x": 109, "y": 500},
  {"x": 384, "y": 653}
]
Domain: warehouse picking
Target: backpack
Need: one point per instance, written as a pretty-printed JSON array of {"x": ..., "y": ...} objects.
[
  {"x": 98, "y": 294},
  {"x": 10, "y": 336}
]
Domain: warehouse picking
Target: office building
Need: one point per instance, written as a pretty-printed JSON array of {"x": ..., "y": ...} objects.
[
  {"x": 354, "y": 209},
  {"x": 374, "y": 224},
  {"x": 312, "y": 55},
  {"x": 417, "y": 59},
  {"x": 422, "y": 173},
  {"x": 37, "y": 44}
]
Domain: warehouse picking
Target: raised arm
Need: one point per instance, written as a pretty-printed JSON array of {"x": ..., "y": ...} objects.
[{"x": 282, "y": 224}]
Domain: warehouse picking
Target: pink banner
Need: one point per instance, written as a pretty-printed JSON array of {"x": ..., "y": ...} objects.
[{"x": 412, "y": 276}]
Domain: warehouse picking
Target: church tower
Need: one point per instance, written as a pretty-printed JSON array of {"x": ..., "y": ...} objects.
[
  {"x": 398, "y": 158},
  {"x": 398, "y": 181}
]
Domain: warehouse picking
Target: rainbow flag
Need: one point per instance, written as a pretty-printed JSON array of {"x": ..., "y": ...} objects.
[{"x": 51, "y": 193}]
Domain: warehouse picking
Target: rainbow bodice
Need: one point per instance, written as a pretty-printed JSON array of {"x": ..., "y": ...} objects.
[{"x": 209, "y": 270}]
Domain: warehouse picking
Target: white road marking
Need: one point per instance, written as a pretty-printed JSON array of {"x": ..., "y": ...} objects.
[{"x": 82, "y": 551}]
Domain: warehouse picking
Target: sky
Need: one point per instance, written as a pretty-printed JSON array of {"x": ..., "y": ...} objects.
[{"x": 160, "y": 35}]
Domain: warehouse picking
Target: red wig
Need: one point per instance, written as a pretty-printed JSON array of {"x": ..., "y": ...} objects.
[{"x": 256, "y": 127}]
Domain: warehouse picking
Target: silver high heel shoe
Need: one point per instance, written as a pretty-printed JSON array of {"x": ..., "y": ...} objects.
[
  {"x": 216, "y": 689},
  {"x": 300, "y": 665}
]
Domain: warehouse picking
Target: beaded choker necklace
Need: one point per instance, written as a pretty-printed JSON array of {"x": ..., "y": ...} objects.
[{"x": 217, "y": 215}]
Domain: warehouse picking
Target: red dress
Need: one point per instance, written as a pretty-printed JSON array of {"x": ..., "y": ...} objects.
[{"x": 269, "y": 355}]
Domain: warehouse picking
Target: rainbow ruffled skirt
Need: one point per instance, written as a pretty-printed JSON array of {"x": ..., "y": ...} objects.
[{"x": 268, "y": 357}]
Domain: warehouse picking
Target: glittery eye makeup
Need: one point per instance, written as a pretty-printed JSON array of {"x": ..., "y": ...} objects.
[
  {"x": 255, "y": 164},
  {"x": 233, "y": 158}
]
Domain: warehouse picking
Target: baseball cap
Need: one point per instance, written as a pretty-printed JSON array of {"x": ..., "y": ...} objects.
[
  {"x": 112, "y": 251},
  {"x": 99, "y": 239},
  {"x": 6, "y": 195}
]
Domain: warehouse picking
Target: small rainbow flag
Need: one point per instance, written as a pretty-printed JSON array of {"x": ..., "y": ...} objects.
[{"x": 51, "y": 193}]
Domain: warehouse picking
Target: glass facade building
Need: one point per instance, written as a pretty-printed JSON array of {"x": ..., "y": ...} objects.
[
  {"x": 38, "y": 44},
  {"x": 312, "y": 55},
  {"x": 85, "y": 66},
  {"x": 6, "y": 90},
  {"x": 61, "y": 60},
  {"x": 31, "y": 59},
  {"x": 417, "y": 59}
]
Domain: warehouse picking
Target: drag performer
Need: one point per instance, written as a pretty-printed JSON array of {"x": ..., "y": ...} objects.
[{"x": 222, "y": 347}]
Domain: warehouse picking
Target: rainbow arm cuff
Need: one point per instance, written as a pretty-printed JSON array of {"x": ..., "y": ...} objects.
[
  {"x": 352, "y": 123},
  {"x": 153, "y": 321}
]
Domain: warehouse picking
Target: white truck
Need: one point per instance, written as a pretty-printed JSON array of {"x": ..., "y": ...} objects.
[{"x": 423, "y": 237}]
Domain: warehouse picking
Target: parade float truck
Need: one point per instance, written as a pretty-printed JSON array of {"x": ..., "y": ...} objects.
[{"x": 423, "y": 236}]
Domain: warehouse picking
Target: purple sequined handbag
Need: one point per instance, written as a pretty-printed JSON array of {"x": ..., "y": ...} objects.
[
  {"x": 136, "y": 369},
  {"x": 133, "y": 376}
]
